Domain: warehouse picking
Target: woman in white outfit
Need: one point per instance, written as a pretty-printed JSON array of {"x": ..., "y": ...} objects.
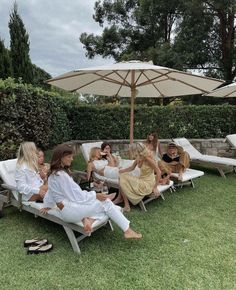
[
  {"x": 28, "y": 180},
  {"x": 101, "y": 165},
  {"x": 76, "y": 204}
]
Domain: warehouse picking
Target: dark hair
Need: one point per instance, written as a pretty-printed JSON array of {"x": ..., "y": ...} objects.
[
  {"x": 154, "y": 141},
  {"x": 105, "y": 144},
  {"x": 58, "y": 153}
]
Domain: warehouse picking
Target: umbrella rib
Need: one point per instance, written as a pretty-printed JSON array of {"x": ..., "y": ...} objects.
[
  {"x": 104, "y": 78},
  {"x": 124, "y": 80}
]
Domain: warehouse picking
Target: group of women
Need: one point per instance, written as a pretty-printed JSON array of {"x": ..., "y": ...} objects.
[{"x": 56, "y": 187}]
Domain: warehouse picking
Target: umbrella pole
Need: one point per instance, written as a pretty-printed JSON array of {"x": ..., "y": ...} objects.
[{"x": 133, "y": 93}]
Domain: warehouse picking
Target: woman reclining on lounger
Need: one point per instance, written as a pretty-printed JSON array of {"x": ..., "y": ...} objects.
[
  {"x": 76, "y": 204},
  {"x": 28, "y": 180},
  {"x": 100, "y": 165}
]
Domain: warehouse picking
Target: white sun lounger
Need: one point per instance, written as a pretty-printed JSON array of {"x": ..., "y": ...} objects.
[
  {"x": 232, "y": 140},
  {"x": 10, "y": 196},
  {"x": 215, "y": 161},
  {"x": 85, "y": 149}
]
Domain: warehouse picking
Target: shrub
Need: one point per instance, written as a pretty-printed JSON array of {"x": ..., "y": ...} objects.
[{"x": 29, "y": 114}]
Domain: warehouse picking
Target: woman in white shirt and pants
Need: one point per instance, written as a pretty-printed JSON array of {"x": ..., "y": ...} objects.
[
  {"x": 28, "y": 180},
  {"x": 76, "y": 204}
]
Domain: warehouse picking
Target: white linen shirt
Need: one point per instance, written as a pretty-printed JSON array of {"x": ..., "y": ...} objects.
[
  {"x": 61, "y": 187},
  {"x": 28, "y": 181}
]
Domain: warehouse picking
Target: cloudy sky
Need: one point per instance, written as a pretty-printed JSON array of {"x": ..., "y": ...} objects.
[{"x": 54, "y": 28}]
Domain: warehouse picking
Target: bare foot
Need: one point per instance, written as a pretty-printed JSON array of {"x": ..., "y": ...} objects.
[
  {"x": 87, "y": 222},
  {"x": 118, "y": 200},
  {"x": 111, "y": 196},
  {"x": 130, "y": 234},
  {"x": 126, "y": 209},
  {"x": 180, "y": 176}
]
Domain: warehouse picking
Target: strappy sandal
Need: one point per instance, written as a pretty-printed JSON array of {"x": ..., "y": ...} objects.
[
  {"x": 35, "y": 242},
  {"x": 40, "y": 249}
]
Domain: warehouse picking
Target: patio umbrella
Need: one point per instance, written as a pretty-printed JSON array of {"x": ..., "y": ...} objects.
[
  {"x": 134, "y": 79},
  {"x": 228, "y": 91}
]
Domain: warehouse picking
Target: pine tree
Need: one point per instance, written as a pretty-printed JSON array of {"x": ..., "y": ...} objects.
[
  {"x": 19, "y": 47},
  {"x": 5, "y": 62}
]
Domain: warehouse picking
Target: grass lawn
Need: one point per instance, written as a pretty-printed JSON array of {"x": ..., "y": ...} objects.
[{"x": 189, "y": 242}]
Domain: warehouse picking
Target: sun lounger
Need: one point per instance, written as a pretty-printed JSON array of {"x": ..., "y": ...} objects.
[
  {"x": 85, "y": 149},
  {"x": 232, "y": 140},
  {"x": 214, "y": 161},
  {"x": 10, "y": 196},
  {"x": 188, "y": 176}
]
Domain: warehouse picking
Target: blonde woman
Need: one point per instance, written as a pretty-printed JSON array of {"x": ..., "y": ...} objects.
[
  {"x": 134, "y": 188},
  {"x": 100, "y": 166},
  {"x": 28, "y": 180}
]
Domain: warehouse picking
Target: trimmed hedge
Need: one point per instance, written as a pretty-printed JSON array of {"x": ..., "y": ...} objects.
[
  {"x": 31, "y": 114},
  {"x": 112, "y": 122}
]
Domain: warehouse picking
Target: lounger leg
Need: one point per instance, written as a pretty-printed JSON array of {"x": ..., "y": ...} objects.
[
  {"x": 72, "y": 238},
  {"x": 192, "y": 184},
  {"x": 142, "y": 206},
  {"x": 162, "y": 196},
  {"x": 111, "y": 226},
  {"x": 221, "y": 172}
]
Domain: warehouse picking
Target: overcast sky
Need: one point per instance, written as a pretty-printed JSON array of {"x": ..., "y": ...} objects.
[{"x": 54, "y": 28}]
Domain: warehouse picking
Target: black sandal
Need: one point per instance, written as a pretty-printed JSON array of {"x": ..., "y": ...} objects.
[
  {"x": 35, "y": 242},
  {"x": 40, "y": 249}
]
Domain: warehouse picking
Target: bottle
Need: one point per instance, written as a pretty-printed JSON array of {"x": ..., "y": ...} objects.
[{"x": 91, "y": 185}]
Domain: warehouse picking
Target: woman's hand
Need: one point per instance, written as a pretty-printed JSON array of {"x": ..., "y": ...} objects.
[
  {"x": 44, "y": 210},
  {"x": 42, "y": 190},
  {"x": 156, "y": 191},
  {"x": 101, "y": 196}
]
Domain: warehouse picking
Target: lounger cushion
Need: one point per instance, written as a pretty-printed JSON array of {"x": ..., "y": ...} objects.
[
  {"x": 231, "y": 139},
  {"x": 189, "y": 174},
  {"x": 188, "y": 147},
  {"x": 86, "y": 147},
  {"x": 195, "y": 155}
]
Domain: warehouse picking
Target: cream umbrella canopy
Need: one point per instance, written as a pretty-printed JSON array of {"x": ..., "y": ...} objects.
[
  {"x": 228, "y": 91},
  {"x": 134, "y": 79}
]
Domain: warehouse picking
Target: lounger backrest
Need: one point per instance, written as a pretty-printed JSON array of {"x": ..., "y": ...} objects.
[
  {"x": 7, "y": 173},
  {"x": 231, "y": 139},
  {"x": 86, "y": 147},
  {"x": 188, "y": 147}
]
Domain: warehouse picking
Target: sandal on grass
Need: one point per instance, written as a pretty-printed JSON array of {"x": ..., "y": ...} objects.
[
  {"x": 35, "y": 242},
  {"x": 40, "y": 249}
]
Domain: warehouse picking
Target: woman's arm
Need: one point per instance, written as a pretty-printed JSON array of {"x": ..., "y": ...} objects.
[
  {"x": 159, "y": 148},
  {"x": 130, "y": 168},
  {"x": 22, "y": 185},
  {"x": 151, "y": 162},
  {"x": 90, "y": 169}
]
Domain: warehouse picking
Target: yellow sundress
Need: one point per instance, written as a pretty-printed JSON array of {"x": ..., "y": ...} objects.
[{"x": 135, "y": 188}]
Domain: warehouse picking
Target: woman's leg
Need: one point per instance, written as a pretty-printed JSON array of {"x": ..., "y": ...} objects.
[
  {"x": 122, "y": 222},
  {"x": 126, "y": 201}
]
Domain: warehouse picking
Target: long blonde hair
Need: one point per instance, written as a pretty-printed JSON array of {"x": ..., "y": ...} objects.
[
  {"x": 93, "y": 153},
  {"x": 27, "y": 153},
  {"x": 139, "y": 150}
]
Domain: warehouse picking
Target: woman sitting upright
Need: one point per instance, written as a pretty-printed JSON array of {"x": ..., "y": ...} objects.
[
  {"x": 153, "y": 144},
  {"x": 175, "y": 160},
  {"x": 134, "y": 188},
  {"x": 28, "y": 180},
  {"x": 76, "y": 204}
]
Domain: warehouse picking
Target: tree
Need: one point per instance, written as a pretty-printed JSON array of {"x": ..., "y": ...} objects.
[
  {"x": 19, "y": 47},
  {"x": 5, "y": 62},
  {"x": 183, "y": 34}
]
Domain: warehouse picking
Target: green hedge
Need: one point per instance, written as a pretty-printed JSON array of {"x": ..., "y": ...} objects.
[
  {"x": 112, "y": 122},
  {"x": 31, "y": 114}
]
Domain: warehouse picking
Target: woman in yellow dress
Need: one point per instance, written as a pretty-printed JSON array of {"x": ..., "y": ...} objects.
[{"x": 134, "y": 188}]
